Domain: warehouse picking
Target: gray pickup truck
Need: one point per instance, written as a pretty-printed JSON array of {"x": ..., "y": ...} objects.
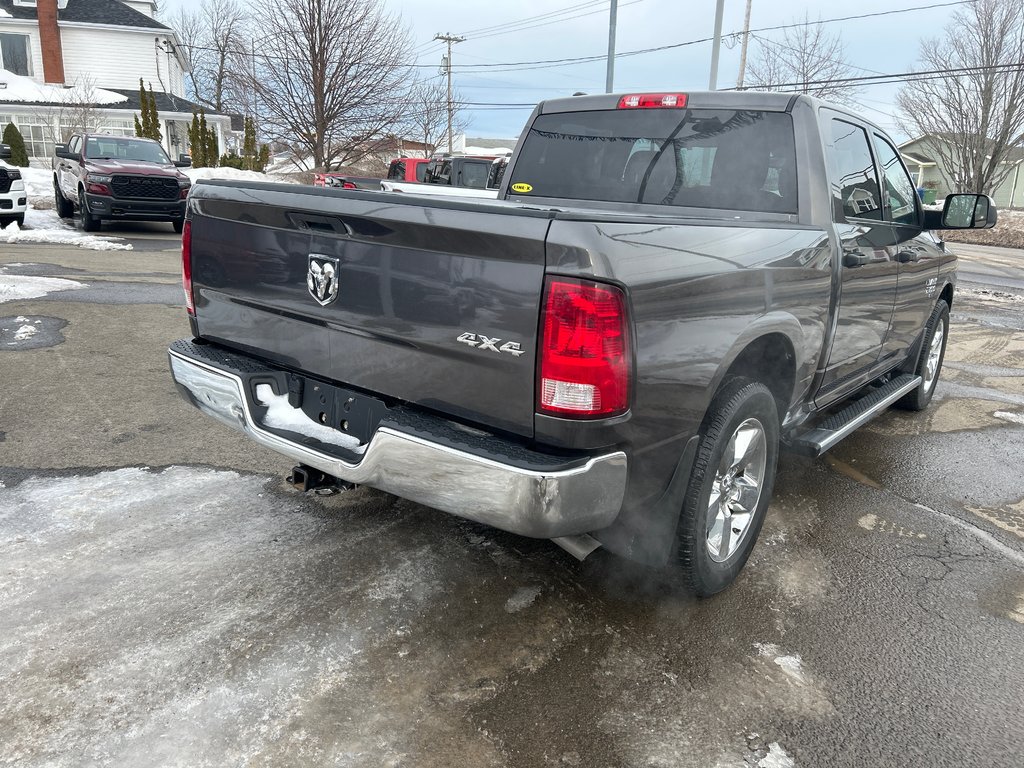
[{"x": 669, "y": 290}]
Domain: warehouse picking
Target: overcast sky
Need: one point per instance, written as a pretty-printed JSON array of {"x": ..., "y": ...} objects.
[{"x": 886, "y": 44}]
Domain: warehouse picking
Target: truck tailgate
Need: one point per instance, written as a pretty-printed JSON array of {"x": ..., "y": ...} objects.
[{"x": 437, "y": 301}]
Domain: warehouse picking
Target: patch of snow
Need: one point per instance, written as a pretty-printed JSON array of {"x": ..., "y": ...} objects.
[
  {"x": 523, "y": 598},
  {"x": 488, "y": 152},
  {"x": 25, "y": 332},
  {"x": 42, "y": 230},
  {"x": 1015, "y": 418},
  {"x": 38, "y": 183},
  {"x": 776, "y": 758},
  {"x": 280, "y": 415},
  {"x": 21, "y": 88},
  {"x": 18, "y": 287}
]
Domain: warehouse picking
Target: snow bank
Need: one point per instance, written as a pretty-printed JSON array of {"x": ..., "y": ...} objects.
[
  {"x": 38, "y": 183},
  {"x": 231, "y": 174},
  {"x": 18, "y": 287},
  {"x": 46, "y": 227},
  {"x": 19, "y": 88}
]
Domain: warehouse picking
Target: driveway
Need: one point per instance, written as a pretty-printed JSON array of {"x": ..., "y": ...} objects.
[{"x": 167, "y": 600}]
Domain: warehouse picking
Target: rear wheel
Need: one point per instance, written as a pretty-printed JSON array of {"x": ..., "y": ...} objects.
[
  {"x": 90, "y": 223},
  {"x": 730, "y": 486},
  {"x": 65, "y": 208},
  {"x": 929, "y": 360}
]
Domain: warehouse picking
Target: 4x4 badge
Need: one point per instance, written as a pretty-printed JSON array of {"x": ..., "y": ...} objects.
[{"x": 322, "y": 278}]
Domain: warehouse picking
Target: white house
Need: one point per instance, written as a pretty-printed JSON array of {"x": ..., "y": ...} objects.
[{"x": 57, "y": 55}]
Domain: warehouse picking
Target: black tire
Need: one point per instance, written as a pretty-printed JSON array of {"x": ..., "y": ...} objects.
[
  {"x": 89, "y": 222},
  {"x": 919, "y": 398},
  {"x": 739, "y": 403},
  {"x": 20, "y": 218},
  {"x": 5, "y": 221},
  {"x": 65, "y": 208},
  {"x": 179, "y": 225}
]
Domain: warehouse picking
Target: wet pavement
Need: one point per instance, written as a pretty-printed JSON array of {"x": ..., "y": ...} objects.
[{"x": 167, "y": 600}]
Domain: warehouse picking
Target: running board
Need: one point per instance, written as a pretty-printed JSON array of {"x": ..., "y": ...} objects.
[{"x": 816, "y": 441}]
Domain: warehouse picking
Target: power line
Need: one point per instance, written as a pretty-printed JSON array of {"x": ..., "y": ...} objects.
[
  {"x": 896, "y": 77},
  {"x": 550, "y": 63},
  {"x": 528, "y": 19},
  {"x": 553, "y": 21}
]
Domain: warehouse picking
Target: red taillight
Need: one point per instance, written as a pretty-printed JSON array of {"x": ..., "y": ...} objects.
[
  {"x": 186, "y": 266},
  {"x": 585, "y": 362},
  {"x": 348, "y": 185},
  {"x": 653, "y": 101}
]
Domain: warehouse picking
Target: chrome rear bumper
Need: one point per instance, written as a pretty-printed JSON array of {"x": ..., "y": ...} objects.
[{"x": 585, "y": 498}]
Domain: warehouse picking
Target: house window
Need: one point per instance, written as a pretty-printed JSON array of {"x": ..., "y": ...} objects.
[{"x": 14, "y": 53}]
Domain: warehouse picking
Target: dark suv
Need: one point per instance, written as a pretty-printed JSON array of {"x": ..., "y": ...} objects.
[{"x": 118, "y": 177}]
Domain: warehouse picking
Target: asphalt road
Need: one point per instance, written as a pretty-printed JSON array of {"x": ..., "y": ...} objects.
[{"x": 166, "y": 600}]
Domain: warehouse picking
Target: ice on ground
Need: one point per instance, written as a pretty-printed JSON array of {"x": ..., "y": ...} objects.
[
  {"x": 18, "y": 287},
  {"x": 281, "y": 415},
  {"x": 1015, "y": 418},
  {"x": 776, "y": 758},
  {"x": 523, "y": 598},
  {"x": 791, "y": 664},
  {"x": 25, "y": 332},
  {"x": 46, "y": 227}
]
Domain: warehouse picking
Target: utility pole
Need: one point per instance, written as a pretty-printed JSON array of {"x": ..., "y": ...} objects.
[
  {"x": 447, "y": 64},
  {"x": 716, "y": 46},
  {"x": 610, "y": 77},
  {"x": 743, "y": 47}
]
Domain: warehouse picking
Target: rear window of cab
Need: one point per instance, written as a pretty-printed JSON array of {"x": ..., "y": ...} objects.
[{"x": 701, "y": 158}]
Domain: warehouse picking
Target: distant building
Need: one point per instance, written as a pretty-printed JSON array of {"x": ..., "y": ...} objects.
[
  {"x": 474, "y": 145},
  {"x": 55, "y": 53},
  {"x": 925, "y": 165}
]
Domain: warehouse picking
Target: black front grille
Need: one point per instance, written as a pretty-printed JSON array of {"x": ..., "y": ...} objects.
[
  {"x": 6, "y": 179},
  {"x": 145, "y": 187},
  {"x": 6, "y": 204}
]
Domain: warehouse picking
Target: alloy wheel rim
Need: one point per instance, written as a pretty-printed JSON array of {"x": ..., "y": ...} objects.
[
  {"x": 736, "y": 490},
  {"x": 934, "y": 353}
]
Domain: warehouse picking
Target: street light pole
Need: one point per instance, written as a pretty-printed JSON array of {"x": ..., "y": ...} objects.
[
  {"x": 716, "y": 46},
  {"x": 610, "y": 77},
  {"x": 450, "y": 39}
]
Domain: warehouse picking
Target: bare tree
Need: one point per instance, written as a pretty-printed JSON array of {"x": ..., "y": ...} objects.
[
  {"x": 214, "y": 40},
  {"x": 807, "y": 60},
  {"x": 971, "y": 118},
  {"x": 331, "y": 76},
  {"x": 426, "y": 118}
]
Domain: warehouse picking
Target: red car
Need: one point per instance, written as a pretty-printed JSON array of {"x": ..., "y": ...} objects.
[{"x": 345, "y": 181}]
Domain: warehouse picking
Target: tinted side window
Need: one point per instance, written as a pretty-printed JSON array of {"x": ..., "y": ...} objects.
[
  {"x": 853, "y": 180},
  {"x": 397, "y": 170},
  {"x": 75, "y": 145},
  {"x": 475, "y": 174},
  {"x": 421, "y": 171},
  {"x": 900, "y": 194}
]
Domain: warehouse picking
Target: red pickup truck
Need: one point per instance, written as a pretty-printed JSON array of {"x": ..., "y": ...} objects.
[{"x": 408, "y": 169}]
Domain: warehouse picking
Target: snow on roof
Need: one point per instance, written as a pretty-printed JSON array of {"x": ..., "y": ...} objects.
[{"x": 18, "y": 88}]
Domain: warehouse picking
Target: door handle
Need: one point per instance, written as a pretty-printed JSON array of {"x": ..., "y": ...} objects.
[
  {"x": 904, "y": 257},
  {"x": 854, "y": 258}
]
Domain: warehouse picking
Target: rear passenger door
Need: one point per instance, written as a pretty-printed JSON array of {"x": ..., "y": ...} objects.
[{"x": 867, "y": 264}]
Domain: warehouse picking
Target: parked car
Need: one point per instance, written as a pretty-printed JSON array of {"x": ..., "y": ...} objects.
[
  {"x": 670, "y": 289},
  {"x": 408, "y": 169},
  {"x": 459, "y": 170},
  {"x": 118, "y": 178},
  {"x": 13, "y": 199},
  {"x": 345, "y": 181}
]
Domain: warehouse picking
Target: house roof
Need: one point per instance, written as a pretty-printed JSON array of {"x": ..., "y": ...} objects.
[
  {"x": 112, "y": 12},
  {"x": 1013, "y": 154},
  {"x": 916, "y": 158},
  {"x": 165, "y": 102}
]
